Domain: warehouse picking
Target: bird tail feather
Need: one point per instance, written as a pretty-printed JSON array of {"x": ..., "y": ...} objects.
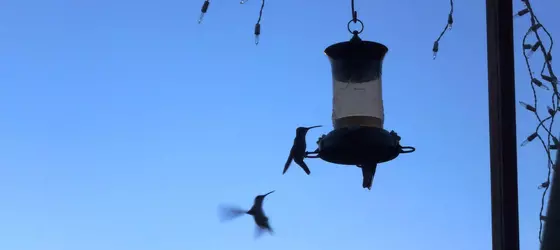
[{"x": 288, "y": 162}]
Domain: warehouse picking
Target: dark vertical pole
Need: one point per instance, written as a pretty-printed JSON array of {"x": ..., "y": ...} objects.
[
  {"x": 551, "y": 232},
  {"x": 503, "y": 142}
]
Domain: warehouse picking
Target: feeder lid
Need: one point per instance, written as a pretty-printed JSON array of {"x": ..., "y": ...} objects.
[{"x": 356, "y": 49}]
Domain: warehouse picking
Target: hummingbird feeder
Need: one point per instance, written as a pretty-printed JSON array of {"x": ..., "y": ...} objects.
[{"x": 359, "y": 137}]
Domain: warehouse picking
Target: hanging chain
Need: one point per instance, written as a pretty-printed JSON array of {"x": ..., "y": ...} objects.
[{"x": 355, "y": 20}]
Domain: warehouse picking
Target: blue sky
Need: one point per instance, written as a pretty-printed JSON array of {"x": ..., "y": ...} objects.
[{"x": 124, "y": 125}]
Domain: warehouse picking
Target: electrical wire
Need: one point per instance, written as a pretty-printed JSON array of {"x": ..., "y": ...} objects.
[
  {"x": 448, "y": 26},
  {"x": 260, "y": 12},
  {"x": 551, "y": 141}
]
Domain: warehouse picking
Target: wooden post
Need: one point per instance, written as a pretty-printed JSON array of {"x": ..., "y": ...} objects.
[
  {"x": 503, "y": 141},
  {"x": 551, "y": 231}
]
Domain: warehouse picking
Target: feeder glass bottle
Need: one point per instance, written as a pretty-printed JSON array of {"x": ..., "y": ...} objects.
[{"x": 357, "y": 92}]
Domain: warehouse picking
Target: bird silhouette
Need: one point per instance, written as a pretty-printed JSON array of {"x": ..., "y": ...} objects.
[
  {"x": 368, "y": 172},
  {"x": 229, "y": 213},
  {"x": 297, "y": 153}
]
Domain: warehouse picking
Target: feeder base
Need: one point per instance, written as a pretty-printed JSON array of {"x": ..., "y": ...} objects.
[{"x": 359, "y": 146}]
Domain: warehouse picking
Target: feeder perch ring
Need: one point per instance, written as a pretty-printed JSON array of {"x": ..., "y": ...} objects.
[{"x": 360, "y": 146}]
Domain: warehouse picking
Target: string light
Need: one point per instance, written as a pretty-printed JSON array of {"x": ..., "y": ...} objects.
[
  {"x": 448, "y": 26},
  {"x": 521, "y": 13},
  {"x": 550, "y": 79},
  {"x": 534, "y": 48},
  {"x": 544, "y": 185},
  {"x": 551, "y": 111},
  {"x": 528, "y": 107},
  {"x": 539, "y": 84},
  {"x": 552, "y": 142},
  {"x": 257, "y": 30},
  {"x": 258, "y": 24},
  {"x": 530, "y": 139},
  {"x": 203, "y": 10}
]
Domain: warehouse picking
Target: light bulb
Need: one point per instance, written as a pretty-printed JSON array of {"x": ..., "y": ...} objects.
[{"x": 529, "y": 139}]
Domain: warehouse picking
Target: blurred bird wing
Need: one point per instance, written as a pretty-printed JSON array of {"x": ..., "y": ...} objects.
[
  {"x": 226, "y": 213},
  {"x": 259, "y": 232}
]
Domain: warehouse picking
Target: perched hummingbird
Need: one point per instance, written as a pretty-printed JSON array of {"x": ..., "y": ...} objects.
[
  {"x": 297, "y": 153},
  {"x": 368, "y": 172},
  {"x": 256, "y": 211}
]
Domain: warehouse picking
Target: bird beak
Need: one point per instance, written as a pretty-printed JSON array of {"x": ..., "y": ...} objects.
[
  {"x": 269, "y": 193},
  {"x": 308, "y": 128}
]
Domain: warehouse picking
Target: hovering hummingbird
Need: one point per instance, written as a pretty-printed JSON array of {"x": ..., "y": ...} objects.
[
  {"x": 297, "y": 153},
  {"x": 229, "y": 213},
  {"x": 368, "y": 172}
]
